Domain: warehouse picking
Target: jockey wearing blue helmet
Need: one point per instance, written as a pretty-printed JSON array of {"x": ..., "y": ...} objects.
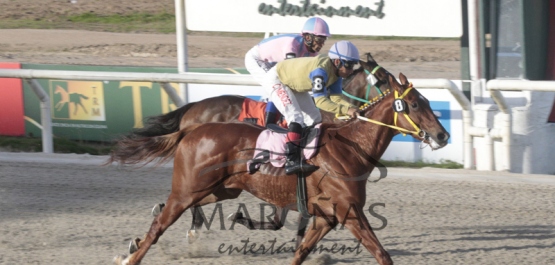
[
  {"x": 346, "y": 53},
  {"x": 289, "y": 84}
]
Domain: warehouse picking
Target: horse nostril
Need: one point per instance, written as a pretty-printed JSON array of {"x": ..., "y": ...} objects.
[{"x": 441, "y": 137}]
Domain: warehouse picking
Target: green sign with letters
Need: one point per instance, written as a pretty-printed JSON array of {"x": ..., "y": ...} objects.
[{"x": 98, "y": 110}]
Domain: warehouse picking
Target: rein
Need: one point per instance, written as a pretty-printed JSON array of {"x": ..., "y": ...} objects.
[
  {"x": 403, "y": 131},
  {"x": 368, "y": 88}
]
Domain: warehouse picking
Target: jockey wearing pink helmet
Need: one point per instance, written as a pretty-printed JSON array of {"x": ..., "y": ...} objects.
[
  {"x": 315, "y": 32},
  {"x": 266, "y": 54}
]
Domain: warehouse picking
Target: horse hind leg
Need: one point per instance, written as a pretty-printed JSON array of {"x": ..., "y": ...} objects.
[
  {"x": 198, "y": 220},
  {"x": 174, "y": 208},
  {"x": 192, "y": 234},
  {"x": 199, "y": 217}
]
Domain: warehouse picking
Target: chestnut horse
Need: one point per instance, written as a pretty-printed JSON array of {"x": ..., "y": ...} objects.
[
  {"x": 208, "y": 168},
  {"x": 227, "y": 108}
]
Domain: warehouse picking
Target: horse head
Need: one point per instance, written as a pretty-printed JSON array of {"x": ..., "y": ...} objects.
[
  {"x": 380, "y": 73},
  {"x": 361, "y": 86},
  {"x": 412, "y": 112}
]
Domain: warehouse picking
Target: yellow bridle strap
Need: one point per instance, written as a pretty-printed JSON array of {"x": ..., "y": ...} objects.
[
  {"x": 406, "y": 115},
  {"x": 380, "y": 123},
  {"x": 402, "y": 130}
]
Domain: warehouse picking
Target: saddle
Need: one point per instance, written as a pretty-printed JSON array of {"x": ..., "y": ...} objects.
[{"x": 270, "y": 146}]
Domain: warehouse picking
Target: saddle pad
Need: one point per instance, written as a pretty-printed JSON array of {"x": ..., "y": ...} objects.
[
  {"x": 253, "y": 111},
  {"x": 270, "y": 147}
]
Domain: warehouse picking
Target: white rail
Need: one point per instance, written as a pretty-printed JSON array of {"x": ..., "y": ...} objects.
[{"x": 164, "y": 78}]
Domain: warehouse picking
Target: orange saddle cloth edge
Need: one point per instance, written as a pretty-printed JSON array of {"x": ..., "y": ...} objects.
[{"x": 254, "y": 110}]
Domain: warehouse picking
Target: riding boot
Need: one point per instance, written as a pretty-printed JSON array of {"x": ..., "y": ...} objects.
[
  {"x": 295, "y": 162},
  {"x": 270, "y": 118},
  {"x": 270, "y": 114}
]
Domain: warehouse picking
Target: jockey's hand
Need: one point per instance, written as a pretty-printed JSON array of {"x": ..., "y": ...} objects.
[{"x": 352, "y": 112}]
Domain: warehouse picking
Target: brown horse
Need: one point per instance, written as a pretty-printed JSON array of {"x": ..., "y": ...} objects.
[
  {"x": 227, "y": 109},
  {"x": 207, "y": 168}
]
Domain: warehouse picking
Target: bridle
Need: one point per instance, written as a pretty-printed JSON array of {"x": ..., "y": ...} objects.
[
  {"x": 368, "y": 87},
  {"x": 398, "y": 100},
  {"x": 417, "y": 131}
]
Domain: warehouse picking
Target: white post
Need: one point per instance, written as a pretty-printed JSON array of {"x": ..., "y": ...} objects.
[
  {"x": 45, "y": 116},
  {"x": 181, "y": 35},
  {"x": 468, "y": 143},
  {"x": 506, "y": 131},
  {"x": 474, "y": 48},
  {"x": 490, "y": 160}
]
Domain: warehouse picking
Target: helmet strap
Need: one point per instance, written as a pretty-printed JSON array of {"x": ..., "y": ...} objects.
[
  {"x": 308, "y": 41},
  {"x": 337, "y": 66}
]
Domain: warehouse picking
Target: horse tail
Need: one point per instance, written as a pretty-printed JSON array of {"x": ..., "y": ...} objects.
[
  {"x": 135, "y": 150},
  {"x": 163, "y": 124}
]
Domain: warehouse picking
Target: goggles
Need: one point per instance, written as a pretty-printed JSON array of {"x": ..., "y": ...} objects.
[
  {"x": 320, "y": 40},
  {"x": 349, "y": 64}
]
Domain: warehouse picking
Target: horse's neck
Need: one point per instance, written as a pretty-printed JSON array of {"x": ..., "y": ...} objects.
[
  {"x": 357, "y": 87},
  {"x": 370, "y": 140}
]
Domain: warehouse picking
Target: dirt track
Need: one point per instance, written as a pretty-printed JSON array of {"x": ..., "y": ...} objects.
[
  {"x": 415, "y": 58},
  {"x": 66, "y": 209}
]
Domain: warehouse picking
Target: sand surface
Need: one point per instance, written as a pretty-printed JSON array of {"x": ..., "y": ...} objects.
[{"x": 67, "y": 209}]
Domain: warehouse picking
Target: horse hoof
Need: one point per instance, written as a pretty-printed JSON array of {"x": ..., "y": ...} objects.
[
  {"x": 134, "y": 245},
  {"x": 192, "y": 236},
  {"x": 234, "y": 216},
  {"x": 157, "y": 209},
  {"x": 121, "y": 259}
]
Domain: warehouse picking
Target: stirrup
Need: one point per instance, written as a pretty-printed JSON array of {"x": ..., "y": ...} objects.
[{"x": 302, "y": 167}]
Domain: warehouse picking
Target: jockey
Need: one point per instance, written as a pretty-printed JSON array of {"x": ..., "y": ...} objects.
[
  {"x": 266, "y": 54},
  {"x": 289, "y": 84}
]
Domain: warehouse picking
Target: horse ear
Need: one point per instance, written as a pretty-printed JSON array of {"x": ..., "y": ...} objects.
[
  {"x": 391, "y": 79},
  {"x": 403, "y": 79},
  {"x": 369, "y": 57}
]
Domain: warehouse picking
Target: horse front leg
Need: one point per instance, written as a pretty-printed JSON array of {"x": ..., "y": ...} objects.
[
  {"x": 319, "y": 228},
  {"x": 360, "y": 227}
]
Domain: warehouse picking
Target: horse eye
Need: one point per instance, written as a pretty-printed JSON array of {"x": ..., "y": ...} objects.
[{"x": 414, "y": 105}]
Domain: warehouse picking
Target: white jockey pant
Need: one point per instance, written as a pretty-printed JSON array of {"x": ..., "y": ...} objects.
[{"x": 295, "y": 106}]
